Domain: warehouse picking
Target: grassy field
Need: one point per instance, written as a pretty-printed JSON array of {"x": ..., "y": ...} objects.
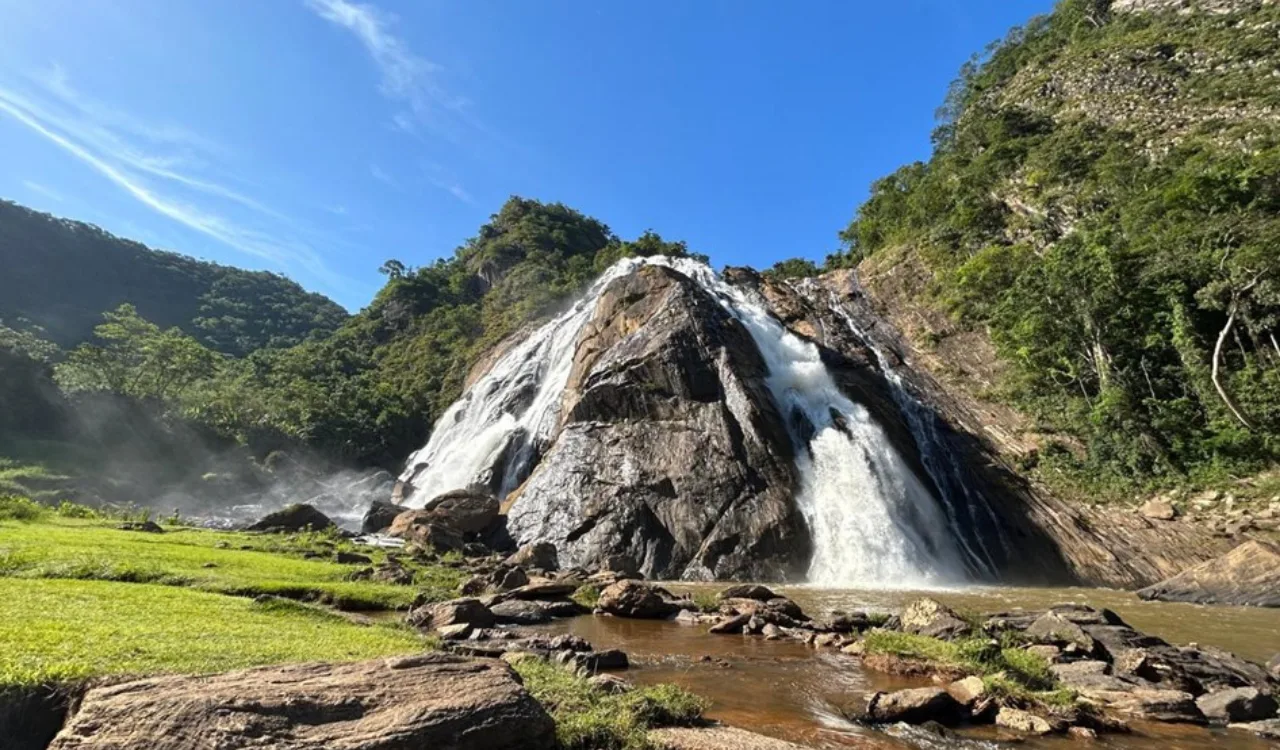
[
  {"x": 63, "y": 630},
  {"x": 88, "y": 549},
  {"x": 81, "y": 598}
]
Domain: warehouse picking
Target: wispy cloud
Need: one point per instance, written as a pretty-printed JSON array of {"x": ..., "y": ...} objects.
[
  {"x": 405, "y": 76},
  {"x": 381, "y": 175},
  {"x": 44, "y": 190},
  {"x": 163, "y": 167},
  {"x": 442, "y": 178}
]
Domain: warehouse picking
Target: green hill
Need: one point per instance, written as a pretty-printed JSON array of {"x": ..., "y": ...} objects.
[{"x": 62, "y": 275}]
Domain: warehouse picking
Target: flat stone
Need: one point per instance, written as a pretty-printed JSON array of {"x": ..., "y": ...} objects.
[
  {"x": 1247, "y": 575},
  {"x": 716, "y": 738},
  {"x": 517, "y": 612},
  {"x": 748, "y": 591},
  {"x": 730, "y": 625},
  {"x": 544, "y": 590},
  {"x": 1237, "y": 705},
  {"x": 1268, "y": 729},
  {"x": 1153, "y": 705},
  {"x": 1022, "y": 721},
  {"x": 432, "y": 700}
]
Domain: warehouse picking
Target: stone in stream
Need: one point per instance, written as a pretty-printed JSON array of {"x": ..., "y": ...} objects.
[
  {"x": 1236, "y": 705},
  {"x": 968, "y": 691},
  {"x": 637, "y": 600},
  {"x": 1268, "y": 729},
  {"x": 932, "y": 618},
  {"x": 1273, "y": 667},
  {"x": 432, "y": 700},
  {"x": 1247, "y": 575},
  {"x": 1023, "y": 721},
  {"x": 1145, "y": 703},
  {"x": 379, "y": 516},
  {"x": 730, "y": 625},
  {"x": 748, "y": 591},
  {"x": 914, "y": 706},
  {"x": 453, "y": 612}
]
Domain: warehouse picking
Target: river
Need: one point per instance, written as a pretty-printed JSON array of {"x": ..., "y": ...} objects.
[{"x": 787, "y": 690}]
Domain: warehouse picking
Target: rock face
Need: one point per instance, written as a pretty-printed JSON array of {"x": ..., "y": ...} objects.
[
  {"x": 1248, "y": 574},
  {"x": 434, "y": 700},
  {"x": 664, "y": 377}
]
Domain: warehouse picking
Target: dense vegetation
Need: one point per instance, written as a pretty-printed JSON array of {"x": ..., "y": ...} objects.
[
  {"x": 61, "y": 275},
  {"x": 1104, "y": 199}
]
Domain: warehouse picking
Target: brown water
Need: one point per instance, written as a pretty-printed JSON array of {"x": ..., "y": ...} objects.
[{"x": 788, "y": 690}]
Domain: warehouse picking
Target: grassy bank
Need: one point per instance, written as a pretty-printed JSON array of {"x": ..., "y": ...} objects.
[
  {"x": 64, "y": 630},
  {"x": 218, "y": 562}
]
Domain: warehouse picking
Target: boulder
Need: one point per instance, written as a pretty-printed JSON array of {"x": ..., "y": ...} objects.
[
  {"x": 467, "y": 511},
  {"x": 1235, "y": 705},
  {"x": 610, "y": 684},
  {"x": 419, "y": 526},
  {"x": 1054, "y": 629},
  {"x": 517, "y": 612},
  {"x": 730, "y": 625},
  {"x": 1159, "y": 509},
  {"x": 932, "y": 618},
  {"x": 968, "y": 691},
  {"x": 379, "y": 516},
  {"x": 748, "y": 591},
  {"x": 297, "y": 517},
  {"x": 1247, "y": 575},
  {"x": 1022, "y": 721},
  {"x": 432, "y": 700},
  {"x": 543, "y": 589},
  {"x": 1089, "y": 675},
  {"x": 540, "y": 555},
  {"x": 914, "y": 706},
  {"x": 637, "y": 600},
  {"x": 453, "y": 612},
  {"x": 508, "y": 579},
  {"x": 1148, "y": 704}
]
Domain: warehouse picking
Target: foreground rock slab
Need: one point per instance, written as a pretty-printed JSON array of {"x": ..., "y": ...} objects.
[
  {"x": 1247, "y": 575},
  {"x": 432, "y": 700},
  {"x": 716, "y": 738}
]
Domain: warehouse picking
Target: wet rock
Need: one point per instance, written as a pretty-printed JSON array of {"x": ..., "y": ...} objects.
[
  {"x": 748, "y": 591},
  {"x": 379, "y": 516},
  {"x": 1158, "y": 509},
  {"x": 771, "y": 632},
  {"x": 845, "y": 622},
  {"x": 968, "y": 691},
  {"x": 297, "y": 517},
  {"x": 638, "y": 600},
  {"x": 716, "y": 738},
  {"x": 1152, "y": 705},
  {"x": 594, "y": 661},
  {"x": 1237, "y": 705},
  {"x": 932, "y": 618},
  {"x": 914, "y": 706},
  {"x": 1023, "y": 721},
  {"x": 857, "y": 648},
  {"x": 468, "y": 511},
  {"x": 1247, "y": 575},
  {"x": 517, "y": 612},
  {"x": 1054, "y": 629},
  {"x": 1082, "y": 733},
  {"x": 541, "y": 555},
  {"x": 544, "y": 590},
  {"x": 453, "y": 612},
  {"x": 433, "y": 700},
  {"x": 1268, "y": 729},
  {"x": 611, "y": 684},
  {"x": 730, "y": 625}
]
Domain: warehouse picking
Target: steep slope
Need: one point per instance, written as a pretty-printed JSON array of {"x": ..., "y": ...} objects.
[
  {"x": 1091, "y": 258},
  {"x": 61, "y": 275}
]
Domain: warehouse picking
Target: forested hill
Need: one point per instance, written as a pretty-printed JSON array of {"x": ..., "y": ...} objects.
[
  {"x": 1103, "y": 203},
  {"x": 62, "y": 275}
]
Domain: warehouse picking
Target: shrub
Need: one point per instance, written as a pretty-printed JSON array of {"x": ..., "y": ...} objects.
[{"x": 17, "y": 508}]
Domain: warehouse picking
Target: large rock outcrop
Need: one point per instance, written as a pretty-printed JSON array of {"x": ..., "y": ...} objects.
[
  {"x": 433, "y": 700},
  {"x": 1247, "y": 575},
  {"x": 670, "y": 450}
]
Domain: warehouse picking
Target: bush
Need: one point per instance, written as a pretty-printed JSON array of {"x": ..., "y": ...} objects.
[
  {"x": 68, "y": 509},
  {"x": 17, "y": 508}
]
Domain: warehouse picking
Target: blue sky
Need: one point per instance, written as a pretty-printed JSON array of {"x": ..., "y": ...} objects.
[{"x": 320, "y": 137}]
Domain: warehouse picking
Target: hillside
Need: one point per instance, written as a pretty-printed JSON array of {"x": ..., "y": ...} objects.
[
  {"x": 61, "y": 275},
  {"x": 1092, "y": 254}
]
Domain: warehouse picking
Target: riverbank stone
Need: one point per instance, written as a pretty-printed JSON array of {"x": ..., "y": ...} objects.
[
  {"x": 914, "y": 706},
  {"x": 933, "y": 618},
  {"x": 1237, "y": 705},
  {"x": 637, "y": 600}
]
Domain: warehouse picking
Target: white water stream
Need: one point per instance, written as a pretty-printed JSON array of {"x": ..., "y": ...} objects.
[{"x": 874, "y": 524}]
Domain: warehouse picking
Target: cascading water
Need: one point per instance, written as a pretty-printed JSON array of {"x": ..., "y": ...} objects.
[
  {"x": 873, "y": 523},
  {"x": 961, "y": 498}
]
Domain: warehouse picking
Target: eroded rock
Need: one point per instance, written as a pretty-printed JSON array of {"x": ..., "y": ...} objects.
[
  {"x": 454, "y": 612},
  {"x": 933, "y": 618},
  {"x": 433, "y": 700},
  {"x": 1247, "y": 575},
  {"x": 297, "y": 517},
  {"x": 914, "y": 706},
  {"x": 638, "y": 600}
]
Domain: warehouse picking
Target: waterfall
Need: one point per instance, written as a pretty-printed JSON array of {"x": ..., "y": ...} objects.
[
  {"x": 495, "y": 433},
  {"x": 961, "y": 498},
  {"x": 873, "y": 523}
]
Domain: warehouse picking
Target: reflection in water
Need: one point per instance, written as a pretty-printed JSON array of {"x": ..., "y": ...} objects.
[{"x": 787, "y": 690}]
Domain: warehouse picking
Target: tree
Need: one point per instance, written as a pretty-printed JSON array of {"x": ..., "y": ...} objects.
[{"x": 392, "y": 269}]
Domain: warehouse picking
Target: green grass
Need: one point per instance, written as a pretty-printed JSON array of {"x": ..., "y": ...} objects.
[
  {"x": 206, "y": 560},
  {"x": 1008, "y": 671},
  {"x": 16, "y": 508},
  {"x": 590, "y": 719},
  {"x": 587, "y": 595},
  {"x": 61, "y": 630}
]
